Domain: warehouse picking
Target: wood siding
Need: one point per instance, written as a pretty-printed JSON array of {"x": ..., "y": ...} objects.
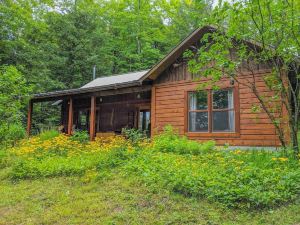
[{"x": 169, "y": 106}]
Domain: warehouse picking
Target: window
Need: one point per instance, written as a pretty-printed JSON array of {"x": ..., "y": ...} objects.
[
  {"x": 223, "y": 111},
  {"x": 82, "y": 120},
  {"x": 198, "y": 112},
  {"x": 144, "y": 120},
  {"x": 211, "y": 111}
]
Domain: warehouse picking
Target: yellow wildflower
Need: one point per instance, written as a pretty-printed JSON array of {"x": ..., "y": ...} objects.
[{"x": 283, "y": 159}]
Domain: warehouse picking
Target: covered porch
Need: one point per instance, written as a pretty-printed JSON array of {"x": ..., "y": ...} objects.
[{"x": 99, "y": 112}]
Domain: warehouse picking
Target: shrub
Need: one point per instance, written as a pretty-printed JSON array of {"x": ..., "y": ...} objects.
[
  {"x": 3, "y": 156},
  {"x": 63, "y": 156},
  {"x": 47, "y": 135},
  {"x": 235, "y": 179},
  {"x": 170, "y": 141},
  {"x": 9, "y": 135},
  {"x": 134, "y": 135},
  {"x": 80, "y": 136},
  {"x": 114, "y": 158},
  {"x": 54, "y": 166}
]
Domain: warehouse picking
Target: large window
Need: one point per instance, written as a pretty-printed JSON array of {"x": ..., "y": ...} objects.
[{"x": 211, "y": 111}]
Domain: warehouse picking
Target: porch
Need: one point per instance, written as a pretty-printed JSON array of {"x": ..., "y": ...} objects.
[{"x": 101, "y": 113}]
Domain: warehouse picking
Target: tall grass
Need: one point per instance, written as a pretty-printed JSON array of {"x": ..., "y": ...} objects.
[{"x": 243, "y": 179}]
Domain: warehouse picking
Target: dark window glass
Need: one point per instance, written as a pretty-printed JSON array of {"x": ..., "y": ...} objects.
[
  {"x": 198, "y": 121},
  {"x": 144, "y": 120},
  {"x": 223, "y": 121},
  {"x": 198, "y": 100},
  {"x": 222, "y": 99},
  {"x": 82, "y": 120}
]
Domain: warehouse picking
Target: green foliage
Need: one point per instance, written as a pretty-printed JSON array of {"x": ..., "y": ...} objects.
[
  {"x": 134, "y": 135},
  {"x": 240, "y": 179},
  {"x": 14, "y": 93},
  {"x": 250, "y": 33},
  {"x": 52, "y": 166},
  {"x": 170, "y": 141},
  {"x": 3, "y": 158},
  {"x": 62, "y": 40},
  {"x": 53, "y": 155},
  {"x": 49, "y": 134},
  {"x": 235, "y": 179},
  {"x": 114, "y": 158},
  {"x": 118, "y": 200},
  {"x": 55, "y": 44},
  {"x": 80, "y": 136},
  {"x": 10, "y": 134}
]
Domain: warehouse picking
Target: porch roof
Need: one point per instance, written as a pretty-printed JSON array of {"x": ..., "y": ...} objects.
[{"x": 99, "y": 84}]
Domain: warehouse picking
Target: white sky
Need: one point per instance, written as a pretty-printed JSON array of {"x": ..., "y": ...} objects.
[{"x": 215, "y": 2}]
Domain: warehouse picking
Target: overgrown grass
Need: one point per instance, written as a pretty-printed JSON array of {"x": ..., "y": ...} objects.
[
  {"x": 234, "y": 179},
  {"x": 119, "y": 199}
]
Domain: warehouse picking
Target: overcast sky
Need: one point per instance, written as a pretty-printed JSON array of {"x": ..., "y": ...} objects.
[{"x": 215, "y": 2}]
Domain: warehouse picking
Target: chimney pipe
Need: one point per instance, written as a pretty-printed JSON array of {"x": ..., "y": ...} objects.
[{"x": 94, "y": 72}]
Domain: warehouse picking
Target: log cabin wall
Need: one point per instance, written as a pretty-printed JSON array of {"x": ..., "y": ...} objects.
[{"x": 169, "y": 106}]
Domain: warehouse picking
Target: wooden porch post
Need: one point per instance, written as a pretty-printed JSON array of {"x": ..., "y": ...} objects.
[
  {"x": 29, "y": 117},
  {"x": 70, "y": 117},
  {"x": 92, "y": 118}
]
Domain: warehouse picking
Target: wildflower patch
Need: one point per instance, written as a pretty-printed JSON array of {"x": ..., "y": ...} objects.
[{"x": 242, "y": 179}]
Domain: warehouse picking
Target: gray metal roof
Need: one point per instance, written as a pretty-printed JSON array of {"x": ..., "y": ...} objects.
[
  {"x": 101, "y": 83},
  {"x": 115, "y": 79}
]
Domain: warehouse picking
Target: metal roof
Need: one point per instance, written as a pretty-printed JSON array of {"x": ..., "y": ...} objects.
[
  {"x": 115, "y": 79},
  {"x": 99, "y": 84}
]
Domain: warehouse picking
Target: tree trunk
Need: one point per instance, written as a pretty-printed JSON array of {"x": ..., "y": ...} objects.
[{"x": 294, "y": 138}]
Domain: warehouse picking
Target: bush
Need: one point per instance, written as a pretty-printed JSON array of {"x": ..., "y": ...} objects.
[
  {"x": 80, "y": 136},
  {"x": 53, "y": 166},
  {"x": 114, "y": 158},
  {"x": 170, "y": 141},
  {"x": 46, "y": 156},
  {"x": 47, "y": 135},
  {"x": 236, "y": 179},
  {"x": 9, "y": 135},
  {"x": 134, "y": 135},
  {"x": 3, "y": 156}
]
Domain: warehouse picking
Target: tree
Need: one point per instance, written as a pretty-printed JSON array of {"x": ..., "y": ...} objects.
[
  {"x": 259, "y": 31},
  {"x": 55, "y": 43},
  {"x": 14, "y": 92}
]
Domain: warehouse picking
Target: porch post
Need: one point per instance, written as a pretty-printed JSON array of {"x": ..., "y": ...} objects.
[
  {"x": 29, "y": 117},
  {"x": 70, "y": 117},
  {"x": 92, "y": 118}
]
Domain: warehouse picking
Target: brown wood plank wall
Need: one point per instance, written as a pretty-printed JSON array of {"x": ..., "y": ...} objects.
[{"x": 169, "y": 107}]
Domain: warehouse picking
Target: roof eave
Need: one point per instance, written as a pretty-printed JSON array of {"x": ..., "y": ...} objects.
[{"x": 78, "y": 91}]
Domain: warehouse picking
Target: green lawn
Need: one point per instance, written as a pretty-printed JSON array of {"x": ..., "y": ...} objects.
[{"x": 118, "y": 200}]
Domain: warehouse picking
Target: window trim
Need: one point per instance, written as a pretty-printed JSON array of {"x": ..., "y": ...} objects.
[{"x": 210, "y": 133}]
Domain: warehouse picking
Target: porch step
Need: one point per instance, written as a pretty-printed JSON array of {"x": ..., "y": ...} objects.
[{"x": 105, "y": 134}]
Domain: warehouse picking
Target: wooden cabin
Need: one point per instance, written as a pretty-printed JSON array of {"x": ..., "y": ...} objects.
[{"x": 166, "y": 94}]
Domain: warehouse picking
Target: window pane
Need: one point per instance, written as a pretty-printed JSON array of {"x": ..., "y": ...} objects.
[
  {"x": 198, "y": 121},
  {"x": 141, "y": 118},
  {"x": 223, "y": 99},
  {"x": 223, "y": 121},
  {"x": 144, "y": 121},
  {"x": 198, "y": 100},
  {"x": 82, "y": 119}
]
